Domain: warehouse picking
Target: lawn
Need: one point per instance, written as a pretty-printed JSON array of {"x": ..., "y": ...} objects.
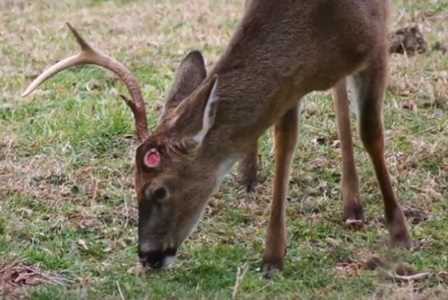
[{"x": 67, "y": 206}]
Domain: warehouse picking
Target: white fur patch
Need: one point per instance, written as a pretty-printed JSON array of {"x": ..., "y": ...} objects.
[
  {"x": 224, "y": 169},
  {"x": 353, "y": 96},
  {"x": 169, "y": 262},
  {"x": 208, "y": 118}
]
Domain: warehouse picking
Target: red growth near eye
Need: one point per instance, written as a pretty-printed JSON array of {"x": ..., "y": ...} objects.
[{"x": 152, "y": 158}]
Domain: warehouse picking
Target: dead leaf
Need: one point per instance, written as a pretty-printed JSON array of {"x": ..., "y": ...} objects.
[
  {"x": 409, "y": 105},
  {"x": 83, "y": 244}
]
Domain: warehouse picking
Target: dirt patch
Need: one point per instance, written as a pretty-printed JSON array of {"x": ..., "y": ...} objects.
[
  {"x": 16, "y": 277},
  {"x": 415, "y": 215},
  {"x": 408, "y": 40}
]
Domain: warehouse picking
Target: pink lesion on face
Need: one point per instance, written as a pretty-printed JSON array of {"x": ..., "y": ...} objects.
[{"x": 152, "y": 158}]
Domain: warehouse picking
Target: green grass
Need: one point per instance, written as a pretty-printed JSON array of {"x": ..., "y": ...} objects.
[{"x": 66, "y": 165}]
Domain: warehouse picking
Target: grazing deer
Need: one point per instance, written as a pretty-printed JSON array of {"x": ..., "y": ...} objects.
[{"x": 281, "y": 51}]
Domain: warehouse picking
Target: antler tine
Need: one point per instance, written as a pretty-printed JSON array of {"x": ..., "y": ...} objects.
[
  {"x": 82, "y": 43},
  {"x": 89, "y": 55}
]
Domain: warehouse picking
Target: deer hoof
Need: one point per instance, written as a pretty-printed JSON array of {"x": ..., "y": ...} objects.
[
  {"x": 353, "y": 214},
  {"x": 250, "y": 186},
  {"x": 271, "y": 269},
  {"x": 401, "y": 240},
  {"x": 248, "y": 182},
  {"x": 399, "y": 233}
]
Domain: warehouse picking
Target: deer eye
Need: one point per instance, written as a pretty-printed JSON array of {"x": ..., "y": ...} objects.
[{"x": 160, "y": 194}]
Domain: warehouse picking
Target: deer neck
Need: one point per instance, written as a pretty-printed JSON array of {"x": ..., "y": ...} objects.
[{"x": 253, "y": 96}]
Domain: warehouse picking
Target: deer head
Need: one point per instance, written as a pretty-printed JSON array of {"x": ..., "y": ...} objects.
[{"x": 174, "y": 174}]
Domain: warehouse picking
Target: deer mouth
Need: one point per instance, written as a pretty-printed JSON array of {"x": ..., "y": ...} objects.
[{"x": 158, "y": 260}]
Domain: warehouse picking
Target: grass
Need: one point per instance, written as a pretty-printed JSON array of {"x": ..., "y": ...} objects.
[{"x": 66, "y": 157}]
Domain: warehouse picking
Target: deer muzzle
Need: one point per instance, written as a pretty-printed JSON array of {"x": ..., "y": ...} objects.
[{"x": 156, "y": 259}]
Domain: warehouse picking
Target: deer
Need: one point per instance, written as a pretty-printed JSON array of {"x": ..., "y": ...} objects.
[{"x": 281, "y": 51}]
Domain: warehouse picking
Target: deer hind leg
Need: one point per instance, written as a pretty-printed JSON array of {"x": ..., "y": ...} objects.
[
  {"x": 353, "y": 213},
  {"x": 285, "y": 139},
  {"x": 369, "y": 86},
  {"x": 248, "y": 169}
]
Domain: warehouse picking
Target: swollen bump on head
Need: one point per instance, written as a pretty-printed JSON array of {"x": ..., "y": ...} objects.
[{"x": 152, "y": 159}]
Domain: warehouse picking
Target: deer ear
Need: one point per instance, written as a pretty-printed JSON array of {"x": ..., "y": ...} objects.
[
  {"x": 209, "y": 112},
  {"x": 189, "y": 75}
]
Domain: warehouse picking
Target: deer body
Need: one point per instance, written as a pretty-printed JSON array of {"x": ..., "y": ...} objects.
[
  {"x": 269, "y": 66},
  {"x": 281, "y": 51}
]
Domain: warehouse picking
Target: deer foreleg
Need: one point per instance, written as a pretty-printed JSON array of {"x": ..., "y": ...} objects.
[
  {"x": 248, "y": 169},
  {"x": 350, "y": 187},
  {"x": 285, "y": 136}
]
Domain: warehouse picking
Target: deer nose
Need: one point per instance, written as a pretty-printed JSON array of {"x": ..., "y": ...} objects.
[{"x": 157, "y": 259}]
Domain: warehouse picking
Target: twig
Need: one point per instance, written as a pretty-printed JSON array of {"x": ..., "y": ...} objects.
[
  {"x": 50, "y": 279},
  {"x": 94, "y": 191},
  {"x": 9, "y": 266},
  {"x": 414, "y": 277},
  {"x": 126, "y": 216},
  {"x": 119, "y": 290},
  {"x": 353, "y": 222},
  {"x": 239, "y": 279}
]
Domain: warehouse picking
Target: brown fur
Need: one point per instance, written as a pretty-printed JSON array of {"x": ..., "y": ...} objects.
[{"x": 281, "y": 51}]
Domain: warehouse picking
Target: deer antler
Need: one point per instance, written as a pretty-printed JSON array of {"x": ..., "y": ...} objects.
[{"x": 89, "y": 55}]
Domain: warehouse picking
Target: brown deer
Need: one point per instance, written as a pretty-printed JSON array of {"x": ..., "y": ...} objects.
[{"x": 281, "y": 51}]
